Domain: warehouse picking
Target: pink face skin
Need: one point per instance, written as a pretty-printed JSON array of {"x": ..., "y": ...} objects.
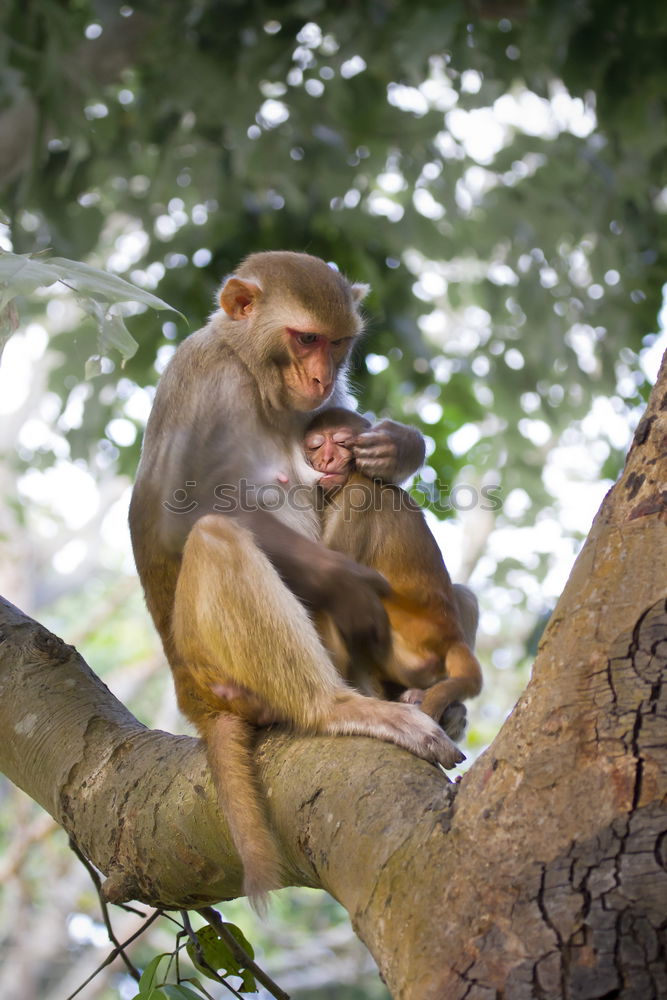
[{"x": 329, "y": 450}]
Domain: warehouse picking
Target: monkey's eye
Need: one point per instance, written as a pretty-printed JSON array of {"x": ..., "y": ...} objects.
[{"x": 306, "y": 339}]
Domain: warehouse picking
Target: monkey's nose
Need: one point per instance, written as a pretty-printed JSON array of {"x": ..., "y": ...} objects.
[{"x": 323, "y": 388}]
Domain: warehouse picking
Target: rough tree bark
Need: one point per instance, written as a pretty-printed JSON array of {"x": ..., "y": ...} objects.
[{"x": 543, "y": 874}]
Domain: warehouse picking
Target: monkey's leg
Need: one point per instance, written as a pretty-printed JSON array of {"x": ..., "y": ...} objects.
[
  {"x": 453, "y": 717},
  {"x": 414, "y": 669},
  {"x": 465, "y": 675},
  {"x": 236, "y": 622},
  {"x": 410, "y": 667},
  {"x": 464, "y": 680}
]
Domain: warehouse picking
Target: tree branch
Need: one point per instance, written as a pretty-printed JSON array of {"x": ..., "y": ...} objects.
[
  {"x": 140, "y": 804},
  {"x": 541, "y": 873}
]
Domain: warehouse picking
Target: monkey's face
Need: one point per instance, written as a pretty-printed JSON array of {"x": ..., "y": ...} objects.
[
  {"x": 330, "y": 452},
  {"x": 296, "y": 320},
  {"x": 315, "y": 359}
]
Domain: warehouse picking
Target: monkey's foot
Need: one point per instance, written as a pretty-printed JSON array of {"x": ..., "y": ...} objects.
[
  {"x": 431, "y": 742},
  {"x": 404, "y": 725},
  {"x": 454, "y": 720}
]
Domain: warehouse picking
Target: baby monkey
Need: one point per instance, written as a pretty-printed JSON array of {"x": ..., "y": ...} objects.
[{"x": 433, "y": 622}]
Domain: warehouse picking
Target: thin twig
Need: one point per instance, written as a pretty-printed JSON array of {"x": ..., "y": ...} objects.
[
  {"x": 117, "y": 951},
  {"x": 212, "y": 917},
  {"x": 131, "y": 909},
  {"x": 104, "y": 906}
]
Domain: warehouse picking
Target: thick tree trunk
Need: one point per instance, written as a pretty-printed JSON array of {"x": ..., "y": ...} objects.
[{"x": 543, "y": 874}]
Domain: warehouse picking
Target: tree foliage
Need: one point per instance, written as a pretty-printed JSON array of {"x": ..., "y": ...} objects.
[
  {"x": 168, "y": 141},
  {"x": 495, "y": 170}
]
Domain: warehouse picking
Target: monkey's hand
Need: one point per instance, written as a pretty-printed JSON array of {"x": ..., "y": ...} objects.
[
  {"x": 389, "y": 451},
  {"x": 327, "y": 581},
  {"x": 351, "y": 595}
]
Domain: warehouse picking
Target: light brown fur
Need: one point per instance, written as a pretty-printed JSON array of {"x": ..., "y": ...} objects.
[
  {"x": 433, "y": 622},
  {"x": 226, "y": 585}
]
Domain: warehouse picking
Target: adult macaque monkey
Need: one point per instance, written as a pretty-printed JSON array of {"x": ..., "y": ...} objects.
[
  {"x": 433, "y": 622},
  {"x": 228, "y": 581}
]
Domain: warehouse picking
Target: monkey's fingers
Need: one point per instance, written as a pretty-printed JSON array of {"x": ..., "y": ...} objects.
[
  {"x": 431, "y": 742},
  {"x": 362, "y": 618},
  {"x": 373, "y": 452},
  {"x": 375, "y": 441},
  {"x": 413, "y": 696}
]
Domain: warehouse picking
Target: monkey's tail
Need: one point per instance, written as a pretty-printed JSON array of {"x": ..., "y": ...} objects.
[{"x": 229, "y": 747}]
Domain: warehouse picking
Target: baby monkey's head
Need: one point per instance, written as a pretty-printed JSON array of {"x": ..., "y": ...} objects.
[{"x": 329, "y": 445}]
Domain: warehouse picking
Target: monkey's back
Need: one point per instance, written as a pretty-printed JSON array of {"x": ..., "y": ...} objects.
[{"x": 381, "y": 526}]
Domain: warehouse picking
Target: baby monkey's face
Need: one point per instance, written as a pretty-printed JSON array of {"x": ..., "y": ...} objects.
[{"x": 329, "y": 450}]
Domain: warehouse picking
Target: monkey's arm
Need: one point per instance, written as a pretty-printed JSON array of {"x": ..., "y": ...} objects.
[
  {"x": 326, "y": 580},
  {"x": 389, "y": 451}
]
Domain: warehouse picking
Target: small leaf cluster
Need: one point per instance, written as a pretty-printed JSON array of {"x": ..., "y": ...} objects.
[
  {"x": 212, "y": 957},
  {"x": 96, "y": 291}
]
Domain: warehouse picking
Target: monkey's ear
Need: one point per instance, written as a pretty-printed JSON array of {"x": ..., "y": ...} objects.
[
  {"x": 359, "y": 292},
  {"x": 239, "y": 298}
]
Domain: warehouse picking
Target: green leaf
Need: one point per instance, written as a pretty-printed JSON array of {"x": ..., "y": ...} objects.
[
  {"x": 9, "y": 321},
  {"x": 196, "y": 983},
  {"x": 180, "y": 992},
  {"x": 149, "y": 977},
  {"x": 237, "y": 933},
  {"x": 93, "y": 367},
  {"x": 95, "y": 282},
  {"x": 217, "y": 954},
  {"x": 248, "y": 981},
  {"x": 116, "y": 334},
  {"x": 21, "y": 274}
]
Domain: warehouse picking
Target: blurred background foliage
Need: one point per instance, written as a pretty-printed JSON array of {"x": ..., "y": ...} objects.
[{"x": 495, "y": 170}]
